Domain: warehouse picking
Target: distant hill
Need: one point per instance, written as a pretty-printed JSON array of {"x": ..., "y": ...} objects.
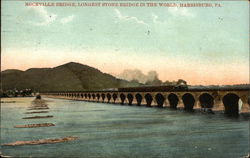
[{"x": 68, "y": 77}]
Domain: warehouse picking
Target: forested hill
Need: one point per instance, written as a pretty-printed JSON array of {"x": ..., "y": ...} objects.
[{"x": 68, "y": 77}]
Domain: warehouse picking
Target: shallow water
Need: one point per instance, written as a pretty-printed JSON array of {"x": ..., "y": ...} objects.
[{"x": 113, "y": 130}]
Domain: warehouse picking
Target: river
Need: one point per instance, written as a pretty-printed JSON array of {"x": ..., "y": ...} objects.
[{"x": 113, "y": 131}]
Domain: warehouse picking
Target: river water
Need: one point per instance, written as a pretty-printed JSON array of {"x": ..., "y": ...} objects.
[{"x": 113, "y": 131}]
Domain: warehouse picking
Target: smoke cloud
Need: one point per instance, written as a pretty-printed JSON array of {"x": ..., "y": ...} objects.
[{"x": 138, "y": 75}]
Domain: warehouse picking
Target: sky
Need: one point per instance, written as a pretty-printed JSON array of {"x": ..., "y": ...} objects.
[{"x": 200, "y": 45}]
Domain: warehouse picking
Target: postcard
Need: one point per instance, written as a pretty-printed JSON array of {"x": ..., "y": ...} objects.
[{"x": 125, "y": 78}]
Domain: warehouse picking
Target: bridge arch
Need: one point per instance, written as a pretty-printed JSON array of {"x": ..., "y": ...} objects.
[
  {"x": 98, "y": 96},
  {"x": 160, "y": 99},
  {"x": 114, "y": 97},
  {"x": 231, "y": 104},
  {"x": 93, "y": 96},
  {"x": 138, "y": 98},
  {"x": 109, "y": 97},
  {"x": 85, "y": 95},
  {"x": 130, "y": 99},
  {"x": 173, "y": 100},
  {"x": 188, "y": 101},
  {"x": 148, "y": 99},
  {"x": 103, "y": 97},
  {"x": 123, "y": 97},
  {"x": 82, "y": 95},
  {"x": 206, "y": 100},
  {"x": 89, "y": 95}
]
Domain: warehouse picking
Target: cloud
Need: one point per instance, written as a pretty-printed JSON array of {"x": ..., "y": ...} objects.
[
  {"x": 46, "y": 17},
  {"x": 155, "y": 19},
  {"x": 128, "y": 18},
  {"x": 67, "y": 19},
  {"x": 175, "y": 11}
]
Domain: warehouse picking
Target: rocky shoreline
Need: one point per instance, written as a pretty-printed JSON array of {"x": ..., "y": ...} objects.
[
  {"x": 42, "y": 141},
  {"x": 37, "y": 108},
  {"x": 33, "y": 112},
  {"x": 35, "y": 125},
  {"x": 38, "y": 117}
]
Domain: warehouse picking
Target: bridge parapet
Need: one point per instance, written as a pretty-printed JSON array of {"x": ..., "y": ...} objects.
[{"x": 230, "y": 101}]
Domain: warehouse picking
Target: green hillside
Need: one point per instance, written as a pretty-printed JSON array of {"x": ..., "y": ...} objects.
[{"x": 68, "y": 77}]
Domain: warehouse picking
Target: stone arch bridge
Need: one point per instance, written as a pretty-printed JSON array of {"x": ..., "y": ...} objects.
[{"x": 229, "y": 100}]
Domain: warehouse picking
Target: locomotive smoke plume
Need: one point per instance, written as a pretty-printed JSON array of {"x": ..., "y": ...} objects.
[{"x": 136, "y": 74}]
